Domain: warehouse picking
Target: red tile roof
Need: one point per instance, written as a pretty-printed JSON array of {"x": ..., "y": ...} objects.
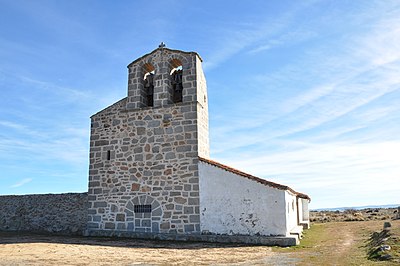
[{"x": 254, "y": 178}]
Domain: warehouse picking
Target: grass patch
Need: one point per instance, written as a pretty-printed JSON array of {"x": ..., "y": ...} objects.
[
  {"x": 339, "y": 243},
  {"x": 311, "y": 237}
]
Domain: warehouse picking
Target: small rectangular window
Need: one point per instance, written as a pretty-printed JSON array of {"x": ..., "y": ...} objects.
[
  {"x": 142, "y": 208},
  {"x": 108, "y": 155}
]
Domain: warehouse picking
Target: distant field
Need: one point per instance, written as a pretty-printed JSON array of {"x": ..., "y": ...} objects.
[
  {"x": 354, "y": 215},
  {"x": 335, "y": 243}
]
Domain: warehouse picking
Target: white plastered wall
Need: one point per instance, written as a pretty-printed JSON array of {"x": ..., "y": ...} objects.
[
  {"x": 232, "y": 204},
  {"x": 304, "y": 213},
  {"x": 291, "y": 211}
]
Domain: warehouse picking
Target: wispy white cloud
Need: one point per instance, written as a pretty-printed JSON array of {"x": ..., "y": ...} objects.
[
  {"x": 12, "y": 125},
  {"x": 285, "y": 39},
  {"x": 64, "y": 92},
  {"x": 364, "y": 68},
  {"x": 22, "y": 182},
  {"x": 246, "y": 35},
  {"x": 328, "y": 132},
  {"x": 312, "y": 167}
]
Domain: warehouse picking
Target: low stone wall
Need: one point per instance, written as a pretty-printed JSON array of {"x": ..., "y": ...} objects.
[
  {"x": 45, "y": 213},
  {"x": 281, "y": 241}
]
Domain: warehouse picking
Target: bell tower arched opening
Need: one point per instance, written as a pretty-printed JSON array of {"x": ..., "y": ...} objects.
[
  {"x": 148, "y": 79},
  {"x": 176, "y": 80}
]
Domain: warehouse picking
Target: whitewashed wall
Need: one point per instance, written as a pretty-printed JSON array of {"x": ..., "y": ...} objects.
[
  {"x": 291, "y": 211},
  {"x": 300, "y": 209},
  {"x": 233, "y": 204},
  {"x": 304, "y": 213}
]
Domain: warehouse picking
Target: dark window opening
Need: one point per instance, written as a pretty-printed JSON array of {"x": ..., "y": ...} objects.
[
  {"x": 177, "y": 86},
  {"x": 108, "y": 155},
  {"x": 149, "y": 83},
  {"x": 142, "y": 208},
  {"x": 149, "y": 87}
]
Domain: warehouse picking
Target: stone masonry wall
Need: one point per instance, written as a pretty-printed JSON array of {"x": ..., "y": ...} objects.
[
  {"x": 44, "y": 213},
  {"x": 148, "y": 155},
  {"x": 144, "y": 156}
]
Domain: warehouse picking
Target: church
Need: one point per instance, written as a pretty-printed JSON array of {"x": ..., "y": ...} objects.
[{"x": 150, "y": 172}]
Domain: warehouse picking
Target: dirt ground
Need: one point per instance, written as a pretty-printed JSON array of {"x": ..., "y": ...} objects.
[
  {"x": 50, "y": 250},
  {"x": 329, "y": 243}
]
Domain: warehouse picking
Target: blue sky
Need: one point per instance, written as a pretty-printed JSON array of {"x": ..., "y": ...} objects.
[{"x": 303, "y": 93}]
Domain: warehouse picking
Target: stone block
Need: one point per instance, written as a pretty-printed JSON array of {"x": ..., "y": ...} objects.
[
  {"x": 96, "y": 218},
  {"x": 146, "y": 223},
  {"x": 191, "y": 115},
  {"x": 188, "y": 210},
  {"x": 165, "y": 225},
  {"x": 91, "y": 225},
  {"x": 184, "y": 148},
  {"x": 190, "y": 128},
  {"x": 141, "y": 130},
  {"x": 137, "y": 222},
  {"x": 194, "y": 218},
  {"x": 155, "y": 227},
  {"x": 131, "y": 226},
  {"x": 120, "y": 217},
  {"x": 135, "y": 187},
  {"x": 109, "y": 225},
  {"x": 101, "y": 142},
  {"x": 154, "y": 123},
  {"x": 189, "y": 228},
  {"x": 124, "y": 148},
  {"x": 180, "y": 200},
  {"x": 121, "y": 226},
  {"x": 100, "y": 204},
  {"x": 170, "y": 155},
  {"x": 157, "y": 212},
  {"x": 128, "y": 212},
  {"x": 194, "y": 180},
  {"x": 97, "y": 191},
  {"x": 194, "y": 201},
  {"x": 158, "y": 131}
]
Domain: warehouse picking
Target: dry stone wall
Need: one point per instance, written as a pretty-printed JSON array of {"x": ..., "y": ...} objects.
[{"x": 46, "y": 213}]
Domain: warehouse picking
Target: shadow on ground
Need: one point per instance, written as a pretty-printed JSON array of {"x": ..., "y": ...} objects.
[{"x": 7, "y": 237}]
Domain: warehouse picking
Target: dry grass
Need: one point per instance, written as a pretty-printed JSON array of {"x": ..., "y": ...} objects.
[{"x": 338, "y": 243}]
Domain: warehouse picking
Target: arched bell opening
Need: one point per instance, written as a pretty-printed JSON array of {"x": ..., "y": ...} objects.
[
  {"x": 176, "y": 80},
  {"x": 148, "y": 79}
]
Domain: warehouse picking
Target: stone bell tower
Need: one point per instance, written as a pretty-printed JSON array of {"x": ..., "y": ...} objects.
[
  {"x": 165, "y": 77},
  {"x": 144, "y": 149}
]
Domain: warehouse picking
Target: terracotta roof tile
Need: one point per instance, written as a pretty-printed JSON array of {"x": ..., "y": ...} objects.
[{"x": 254, "y": 178}]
